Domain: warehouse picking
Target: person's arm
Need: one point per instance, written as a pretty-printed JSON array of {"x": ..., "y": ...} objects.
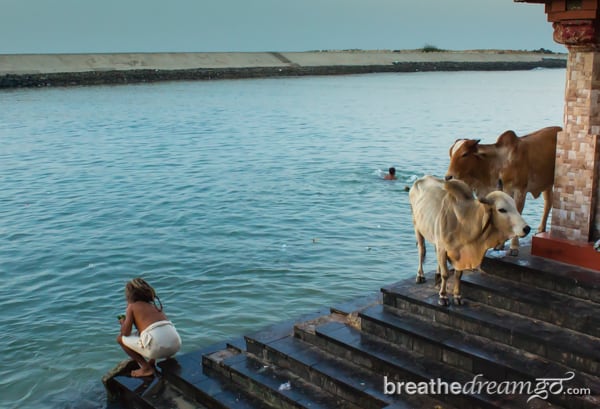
[{"x": 127, "y": 323}]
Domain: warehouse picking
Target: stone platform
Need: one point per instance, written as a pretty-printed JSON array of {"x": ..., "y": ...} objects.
[{"x": 525, "y": 319}]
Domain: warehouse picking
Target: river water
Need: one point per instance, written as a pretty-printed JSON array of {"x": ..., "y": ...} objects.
[{"x": 243, "y": 202}]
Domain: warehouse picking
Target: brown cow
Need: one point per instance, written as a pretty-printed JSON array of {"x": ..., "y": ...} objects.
[
  {"x": 524, "y": 164},
  {"x": 461, "y": 227}
]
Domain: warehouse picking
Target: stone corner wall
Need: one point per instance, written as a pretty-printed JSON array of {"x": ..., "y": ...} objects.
[{"x": 576, "y": 208}]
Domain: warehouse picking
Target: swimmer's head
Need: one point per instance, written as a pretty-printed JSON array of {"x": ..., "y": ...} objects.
[{"x": 392, "y": 171}]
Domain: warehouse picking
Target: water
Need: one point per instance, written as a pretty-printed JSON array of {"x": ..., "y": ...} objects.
[{"x": 242, "y": 202}]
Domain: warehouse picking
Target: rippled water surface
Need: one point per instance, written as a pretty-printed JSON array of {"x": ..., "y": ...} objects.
[{"x": 242, "y": 202}]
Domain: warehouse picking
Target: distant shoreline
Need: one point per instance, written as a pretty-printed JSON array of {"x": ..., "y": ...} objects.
[{"x": 44, "y": 70}]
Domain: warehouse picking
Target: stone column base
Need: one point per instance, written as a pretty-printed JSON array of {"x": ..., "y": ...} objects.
[{"x": 577, "y": 253}]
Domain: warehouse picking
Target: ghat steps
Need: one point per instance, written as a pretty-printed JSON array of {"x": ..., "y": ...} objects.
[{"x": 525, "y": 319}]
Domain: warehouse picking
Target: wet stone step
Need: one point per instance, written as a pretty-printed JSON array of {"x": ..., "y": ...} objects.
[
  {"x": 555, "y": 308},
  {"x": 274, "y": 386},
  {"x": 187, "y": 373},
  {"x": 129, "y": 390},
  {"x": 561, "y": 345},
  {"x": 543, "y": 273},
  {"x": 401, "y": 365},
  {"x": 375, "y": 385},
  {"x": 474, "y": 354},
  {"x": 165, "y": 395},
  {"x": 339, "y": 377}
]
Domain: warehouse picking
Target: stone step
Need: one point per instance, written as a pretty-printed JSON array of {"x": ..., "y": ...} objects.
[
  {"x": 402, "y": 365},
  {"x": 166, "y": 395},
  {"x": 277, "y": 387},
  {"x": 338, "y": 376},
  {"x": 329, "y": 373},
  {"x": 573, "y": 349},
  {"x": 555, "y": 308},
  {"x": 526, "y": 320},
  {"x": 187, "y": 373},
  {"x": 545, "y": 273},
  {"x": 129, "y": 391},
  {"x": 474, "y": 354}
]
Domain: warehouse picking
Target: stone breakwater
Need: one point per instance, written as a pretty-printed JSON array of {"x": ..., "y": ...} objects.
[{"x": 41, "y": 70}]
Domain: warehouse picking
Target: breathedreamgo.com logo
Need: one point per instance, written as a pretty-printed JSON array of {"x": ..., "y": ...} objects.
[{"x": 540, "y": 388}]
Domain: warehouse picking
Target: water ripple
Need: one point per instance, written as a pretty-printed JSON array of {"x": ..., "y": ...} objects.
[{"x": 243, "y": 202}]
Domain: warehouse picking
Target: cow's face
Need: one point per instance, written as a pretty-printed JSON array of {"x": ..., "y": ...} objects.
[
  {"x": 466, "y": 162},
  {"x": 504, "y": 215}
]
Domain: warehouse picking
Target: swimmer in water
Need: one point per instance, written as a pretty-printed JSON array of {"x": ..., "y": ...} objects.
[{"x": 391, "y": 174}]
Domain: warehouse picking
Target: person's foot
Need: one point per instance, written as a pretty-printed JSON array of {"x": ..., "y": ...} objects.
[{"x": 142, "y": 372}]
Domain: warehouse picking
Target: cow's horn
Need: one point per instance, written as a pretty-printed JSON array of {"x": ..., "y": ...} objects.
[{"x": 500, "y": 185}]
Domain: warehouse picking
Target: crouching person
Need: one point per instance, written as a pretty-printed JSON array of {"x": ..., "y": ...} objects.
[{"x": 156, "y": 337}]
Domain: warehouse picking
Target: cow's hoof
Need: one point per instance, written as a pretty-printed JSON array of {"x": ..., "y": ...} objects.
[
  {"x": 458, "y": 300},
  {"x": 420, "y": 279},
  {"x": 443, "y": 301},
  {"x": 513, "y": 252}
]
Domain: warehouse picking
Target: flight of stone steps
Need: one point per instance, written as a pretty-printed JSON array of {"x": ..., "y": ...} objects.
[{"x": 526, "y": 319}]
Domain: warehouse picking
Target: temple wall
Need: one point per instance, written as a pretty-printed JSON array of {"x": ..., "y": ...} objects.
[{"x": 576, "y": 208}]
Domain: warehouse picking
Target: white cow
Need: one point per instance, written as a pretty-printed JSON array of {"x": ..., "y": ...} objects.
[{"x": 461, "y": 227}]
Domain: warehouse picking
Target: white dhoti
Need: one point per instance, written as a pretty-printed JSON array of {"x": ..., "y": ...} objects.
[{"x": 159, "y": 340}]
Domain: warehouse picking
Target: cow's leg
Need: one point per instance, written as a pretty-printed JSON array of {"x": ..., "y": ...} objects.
[
  {"x": 514, "y": 246},
  {"x": 456, "y": 291},
  {"x": 438, "y": 271},
  {"x": 519, "y": 197},
  {"x": 421, "y": 247},
  {"x": 442, "y": 265},
  {"x": 547, "y": 194}
]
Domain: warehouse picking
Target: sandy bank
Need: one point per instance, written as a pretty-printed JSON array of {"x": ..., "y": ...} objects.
[{"x": 17, "y": 70}]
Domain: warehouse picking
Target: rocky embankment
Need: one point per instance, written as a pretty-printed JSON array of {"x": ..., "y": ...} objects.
[{"x": 41, "y": 70}]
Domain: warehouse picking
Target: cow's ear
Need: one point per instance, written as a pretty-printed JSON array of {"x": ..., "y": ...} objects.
[{"x": 508, "y": 138}]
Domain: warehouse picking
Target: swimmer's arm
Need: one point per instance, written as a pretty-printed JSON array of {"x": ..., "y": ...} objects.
[{"x": 127, "y": 323}]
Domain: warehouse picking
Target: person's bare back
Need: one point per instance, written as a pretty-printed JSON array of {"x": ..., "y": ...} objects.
[{"x": 145, "y": 314}]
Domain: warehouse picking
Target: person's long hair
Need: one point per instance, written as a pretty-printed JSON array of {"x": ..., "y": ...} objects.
[{"x": 139, "y": 290}]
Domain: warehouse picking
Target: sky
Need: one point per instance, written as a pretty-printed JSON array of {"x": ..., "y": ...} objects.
[{"x": 99, "y": 26}]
